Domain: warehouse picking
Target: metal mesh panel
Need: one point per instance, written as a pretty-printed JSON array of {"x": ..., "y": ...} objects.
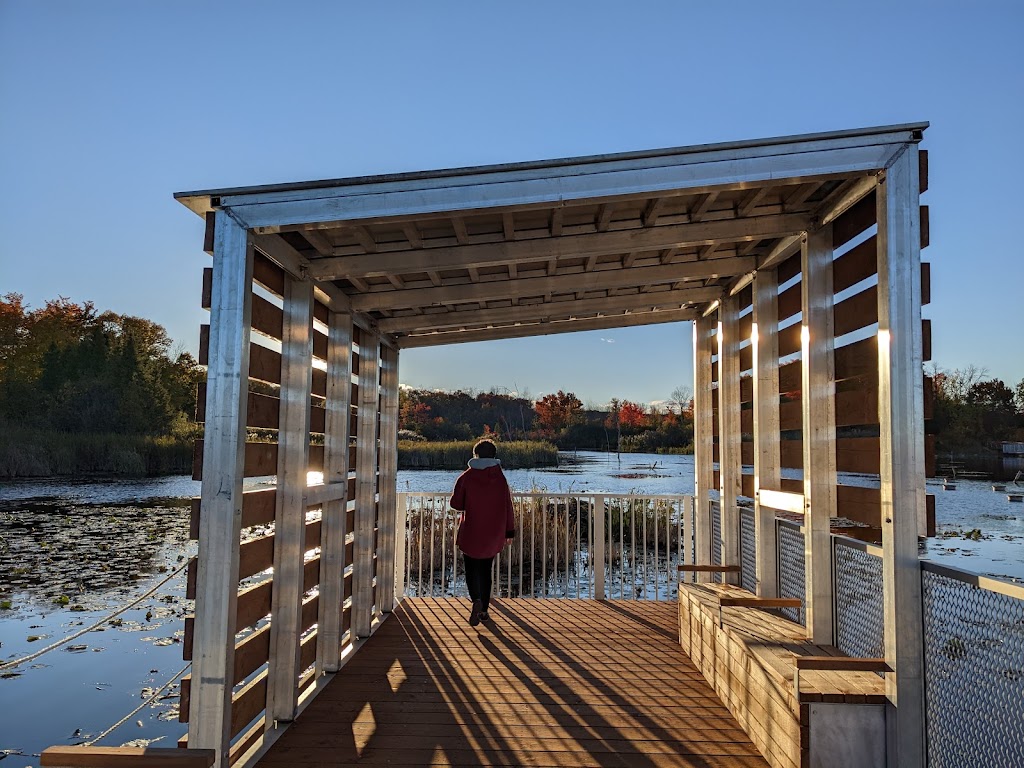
[
  {"x": 791, "y": 568},
  {"x": 716, "y": 538},
  {"x": 974, "y": 673},
  {"x": 858, "y": 595},
  {"x": 748, "y": 552}
]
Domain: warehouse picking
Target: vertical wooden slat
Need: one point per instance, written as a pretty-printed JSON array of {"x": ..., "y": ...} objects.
[
  {"x": 817, "y": 400},
  {"x": 765, "y": 344},
  {"x": 336, "y": 445},
  {"x": 900, "y": 415},
  {"x": 221, "y": 496},
  {"x": 729, "y": 433},
  {"x": 703, "y": 439},
  {"x": 388, "y": 579},
  {"x": 289, "y": 521},
  {"x": 366, "y": 484}
]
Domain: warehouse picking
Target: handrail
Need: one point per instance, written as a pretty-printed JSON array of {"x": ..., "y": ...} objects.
[
  {"x": 852, "y": 543},
  {"x": 982, "y": 582}
]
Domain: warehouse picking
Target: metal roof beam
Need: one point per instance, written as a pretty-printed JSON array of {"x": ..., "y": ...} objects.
[
  {"x": 622, "y": 180},
  {"x": 545, "y": 329},
  {"x": 670, "y": 299}
]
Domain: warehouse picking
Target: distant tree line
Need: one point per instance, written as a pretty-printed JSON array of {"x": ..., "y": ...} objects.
[
  {"x": 89, "y": 391},
  {"x": 560, "y": 418},
  {"x": 973, "y": 413}
]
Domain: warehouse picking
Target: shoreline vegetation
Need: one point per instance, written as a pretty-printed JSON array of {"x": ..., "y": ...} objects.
[
  {"x": 34, "y": 454},
  {"x": 453, "y": 454},
  {"x": 84, "y": 392}
]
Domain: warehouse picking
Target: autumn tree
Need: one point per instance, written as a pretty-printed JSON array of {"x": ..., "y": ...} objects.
[
  {"x": 556, "y": 412},
  {"x": 632, "y": 416},
  {"x": 64, "y": 367}
]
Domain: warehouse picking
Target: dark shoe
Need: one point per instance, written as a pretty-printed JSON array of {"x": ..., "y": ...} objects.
[
  {"x": 474, "y": 616},
  {"x": 485, "y": 616}
]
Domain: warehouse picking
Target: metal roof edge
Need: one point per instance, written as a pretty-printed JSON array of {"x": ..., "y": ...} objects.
[{"x": 200, "y": 200}]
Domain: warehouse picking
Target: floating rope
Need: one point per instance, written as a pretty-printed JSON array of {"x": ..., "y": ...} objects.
[
  {"x": 118, "y": 612},
  {"x": 139, "y": 708}
]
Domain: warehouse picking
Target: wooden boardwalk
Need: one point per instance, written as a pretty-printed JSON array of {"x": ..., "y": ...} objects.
[{"x": 546, "y": 683}]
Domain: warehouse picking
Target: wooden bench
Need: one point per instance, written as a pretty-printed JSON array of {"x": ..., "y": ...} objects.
[
  {"x": 801, "y": 704},
  {"x": 126, "y": 757}
]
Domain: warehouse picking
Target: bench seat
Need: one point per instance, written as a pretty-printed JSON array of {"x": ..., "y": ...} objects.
[{"x": 748, "y": 656}]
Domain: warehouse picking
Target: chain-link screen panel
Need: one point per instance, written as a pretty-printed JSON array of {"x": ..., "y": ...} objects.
[
  {"x": 791, "y": 568},
  {"x": 860, "y": 619},
  {"x": 974, "y": 673},
  {"x": 748, "y": 551},
  {"x": 716, "y": 538}
]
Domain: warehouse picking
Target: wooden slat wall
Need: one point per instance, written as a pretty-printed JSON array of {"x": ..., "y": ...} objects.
[
  {"x": 856, "y": 363},
  {"x": 256, "y": 554}
]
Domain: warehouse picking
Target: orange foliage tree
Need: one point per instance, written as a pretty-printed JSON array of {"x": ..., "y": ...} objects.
[{"x": 556, "y": 412}]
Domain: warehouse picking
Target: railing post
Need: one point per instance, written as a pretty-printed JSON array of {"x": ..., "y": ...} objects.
[
  {"x": 597, "y": 515},
  {"x": 402, "y": 572},
  {"x": 686, "y": 546}
]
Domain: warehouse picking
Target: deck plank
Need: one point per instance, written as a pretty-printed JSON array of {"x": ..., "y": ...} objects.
[{"x": 570, "y": 683}]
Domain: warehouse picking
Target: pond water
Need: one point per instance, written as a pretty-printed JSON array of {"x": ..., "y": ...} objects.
[{"x": 71, "y": 552}]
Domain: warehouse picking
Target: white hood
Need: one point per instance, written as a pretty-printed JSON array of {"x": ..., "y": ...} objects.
[{"x": 484, "y": 463}]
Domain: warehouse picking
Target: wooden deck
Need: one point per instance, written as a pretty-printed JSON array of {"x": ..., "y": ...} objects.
[{"x": 546, "y": 683}]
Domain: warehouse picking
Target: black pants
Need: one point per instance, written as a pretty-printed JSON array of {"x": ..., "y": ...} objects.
[{"x": 478, "y": 579}]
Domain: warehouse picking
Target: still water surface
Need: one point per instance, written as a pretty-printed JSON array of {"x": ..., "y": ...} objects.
[{"x": 73, "y": 551}]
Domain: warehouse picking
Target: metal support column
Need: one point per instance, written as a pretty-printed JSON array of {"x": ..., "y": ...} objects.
[
  {"x": 818, "y": 386},
  {"x": 730, "y": 436},
  {"x": 900, "y": 415},
  {"x": 703, "y": 439},
  {"x": 366, "y": 484},
  {"x": 765, "y": 346},
  {"x": 290, "y": 515},
  {"x": 390, "y": 525},
  {"x": 221, "y": 504},
  {"x": 335, "y": 511}
]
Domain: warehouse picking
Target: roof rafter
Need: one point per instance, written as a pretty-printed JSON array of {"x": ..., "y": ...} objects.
[
  {"x": 566, "y": 246},
  {"x": 501, "y": 287}
]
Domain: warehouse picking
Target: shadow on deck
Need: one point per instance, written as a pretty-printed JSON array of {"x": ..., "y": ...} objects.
[{"x": 546, "y": 683}]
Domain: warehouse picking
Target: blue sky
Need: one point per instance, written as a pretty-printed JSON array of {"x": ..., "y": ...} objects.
[{"x": 108, "y": 108}]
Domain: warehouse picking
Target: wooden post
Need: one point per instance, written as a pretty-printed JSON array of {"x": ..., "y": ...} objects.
[
  {"x": 900, "y": 415},
  {"x": 765, "y": 346},
  {"x": 730, "y": 436},
  {"x": 366, "y": 484},
  {"x": 598, "y": 552},
  {"x": 220, "y": 523},
  {"x": 703, "y": 440},
  {"x": 390, "y": 524},
  {"x": 336, "y": 469},
  {"x": 290, "y": 515},
  {"x": 818, "y": 386}
]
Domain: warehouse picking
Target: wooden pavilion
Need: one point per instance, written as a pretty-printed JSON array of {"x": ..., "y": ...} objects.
[{"x": 796, "y": 258}]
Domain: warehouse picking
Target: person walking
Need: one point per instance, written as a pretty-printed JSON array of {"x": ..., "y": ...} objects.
[{"x": 482, "y": 495}]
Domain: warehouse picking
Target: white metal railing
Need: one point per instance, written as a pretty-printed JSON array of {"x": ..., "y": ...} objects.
[{"x": 577, "y": 545}]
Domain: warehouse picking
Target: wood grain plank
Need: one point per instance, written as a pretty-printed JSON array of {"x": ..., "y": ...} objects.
[{"x": 538, "y": 685}]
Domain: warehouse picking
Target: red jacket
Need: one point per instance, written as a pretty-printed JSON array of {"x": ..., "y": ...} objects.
[{"x": 482, "y": 495}]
